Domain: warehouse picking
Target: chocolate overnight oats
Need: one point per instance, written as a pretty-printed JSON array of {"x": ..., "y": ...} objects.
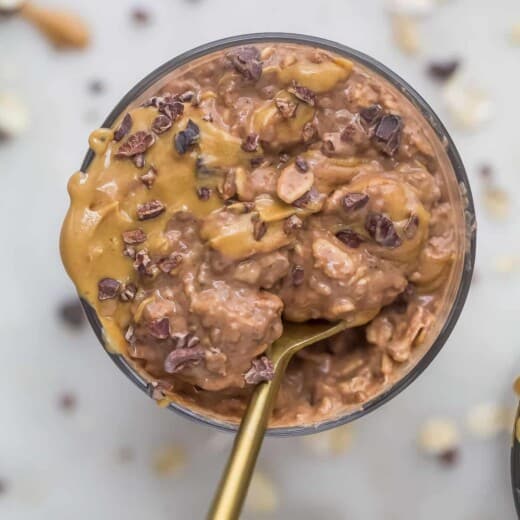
[{"x": 260, "y": 184}]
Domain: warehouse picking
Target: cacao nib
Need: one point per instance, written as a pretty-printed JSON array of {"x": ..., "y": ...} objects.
[
  {"x": 246, "y": 61},
  {"x": 350, "y": 238},
  {"x": 187, "y": 138},
  {"x": 354, "y": 201},
  {"x": 203, "y": 193},
  {"x": 261, "y": 370},
  {"x": 387, "y": 134},
  {"x": 134, "y": 236},
  {"x": 250, "y": 143},
  {"x": 161, "y": 124},
  {"x": 150, "y": 209},
  {"x": 382, "y": 230},
  {"x": 443, "y": 70},
  {"x": 128, "y": 293},
  {"x": 160, "y": 328},
  {"x": 108, "y": 288},
  {"x": 124, "y": 128},
  {"x": 291, "y": 224},
  {"x": 303, "y": 94},
  {"x": 178, "y": 358},
  {"x": 72, "y": 314},
  {"x": 135, "y": 144},
  {"x": 168, "y": 264}
]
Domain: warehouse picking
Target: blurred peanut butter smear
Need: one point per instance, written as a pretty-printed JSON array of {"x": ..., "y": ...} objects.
[{"x": 261, "y": 182}]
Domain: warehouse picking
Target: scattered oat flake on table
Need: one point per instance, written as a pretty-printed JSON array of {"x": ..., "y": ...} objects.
[
  {"x": 405, "y": 31},
  {"x": 411, "y": 7},
  {"x": 507, "y": 264},
  {"x": 14, "y": 116},
  {"x": 468, "y": 104},
  {"x": 496, "y": 201},
  {"x": 487, "y": 420},
  {"x": 169, "y": 459},
  {"x": 262, "y": 496},
  {"x": 332, "y": 442},
  {"x": 438, "y": 436},
  {"x": 514, "y": 34}
]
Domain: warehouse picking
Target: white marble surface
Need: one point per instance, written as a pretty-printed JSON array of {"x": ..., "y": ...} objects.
[{"x": 63, "y": 466}]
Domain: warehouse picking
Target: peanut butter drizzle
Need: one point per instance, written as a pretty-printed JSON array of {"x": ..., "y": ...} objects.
[{"x": 63, "y": 29}]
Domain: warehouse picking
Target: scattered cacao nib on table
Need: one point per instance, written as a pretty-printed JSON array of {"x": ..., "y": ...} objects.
[
  {"x": 72, "y": 314},
  {"x": 302, "y": 187}
]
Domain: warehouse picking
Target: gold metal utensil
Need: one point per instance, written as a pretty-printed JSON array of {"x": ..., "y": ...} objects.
[{"x": 234, "y": 483}]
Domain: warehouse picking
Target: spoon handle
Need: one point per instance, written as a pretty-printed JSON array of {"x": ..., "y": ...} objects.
[{"x": 235, "y": 480}]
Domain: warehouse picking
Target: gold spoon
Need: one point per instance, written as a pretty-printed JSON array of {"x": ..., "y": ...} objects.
[{"x": 234, "y": 483}]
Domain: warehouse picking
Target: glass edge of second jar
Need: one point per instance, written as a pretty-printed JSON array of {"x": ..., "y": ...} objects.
[
  {"x": 515, "y": 465},
  {"x": 456, "y": 163}
]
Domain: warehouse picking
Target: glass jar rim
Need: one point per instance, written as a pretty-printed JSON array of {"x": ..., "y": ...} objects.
[{"x": 458, "y": 168}]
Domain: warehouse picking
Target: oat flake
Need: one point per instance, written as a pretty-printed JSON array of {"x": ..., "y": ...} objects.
[
  {"x": 168, "y": 459},
  {"x": 406, "y": 34},
  {"x": 438, "y": 435},
  {"x": 411, "y": 7},
  {"x": 332, "y": 442},
  {"x": 486, "y": 420},
  {"x": 262, "y": 496},
  {"x": 514, "y": 35},
  {"x": 14, "y": 116},
  {"x": 469, "y": 105}
]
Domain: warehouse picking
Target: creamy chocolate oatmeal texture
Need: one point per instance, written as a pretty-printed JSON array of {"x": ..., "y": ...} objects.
[{"x": 255, "y": 184}]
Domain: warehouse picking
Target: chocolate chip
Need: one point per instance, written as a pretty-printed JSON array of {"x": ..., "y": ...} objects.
[
  {"x": 140, "y": 16},
  {"x": 382, "y": 230},
  {"x": 262, "y": 369},
  {"x": 303, "y": 94},
  {"x": 203, "y": 193},
  {"x": 388, "y": 133},
  {"x": 160, "y": 328},
  {"x": 187, "y": 138},
  {"x": 134, "y": 236},
  {"x": 172, "y": 108},
  {"x": 449, "y": 457},
  {"x": 350, "y": 238},
  {"x": 161, "y": 124},
  {"x": 72, "y": 314},
  {"x": 291, "y": 224},
  {"x": 128, "y": 293},
  {"x": 259, "y": 229},
  {"x": 96, "y": 86},
  {"x": 297, "y": 275},
  {"x": 150, "y": 209},
  {"x": 370, "y": 117},
  {"x": 178, "y": 358},
  {"x": 138, "y": 160},
  {"x": 108, "y": 288},
  {"x": 166, "y": 265},
  {"x": 246, "y": 61},
  {"x": 301, "y": 164},
  {"x": 250, "y": 143},
  {"x": 286, "y": 108},
  {"x": 443, "y": 70},
  {"x": 124, "y": 127},
  {"x": 411, "y": 227},
  {"x": 149, "y": 177},
  {"x": 135, "y": 144},
  {"x": 67, "y": 402},
  {"x": 354, "y": 200},
  {"x": 308, "y": 132}
]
